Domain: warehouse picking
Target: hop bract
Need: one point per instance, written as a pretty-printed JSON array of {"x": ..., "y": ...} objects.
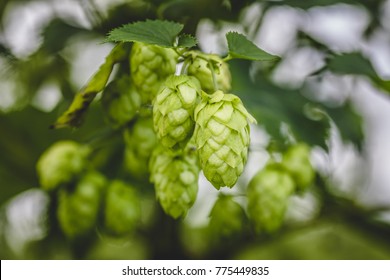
[
  {"x": 120, "y": 101},
  {"x": 219, "y": 78},
  {"x": 61, "y": 163},
  {"x": 173, "y": 110},
  {"x": 175, "y": 177},
  {"x": 140, "y": 141},
  {"x": 268, "y": 194},
  {"x": 222, "y": 137},
  {"x": 78, "y": 209},
  {"x": 122, "y": 208},
  {"x": 150, "y": 65},
  {"x": 296, "y": 161}
]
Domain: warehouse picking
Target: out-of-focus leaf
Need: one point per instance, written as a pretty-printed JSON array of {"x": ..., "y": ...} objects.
[
  {"x": 357, "y": 64},
  {"x": 272, "y": 105},
  {"x": 348, "y": 122},
  {"x": 156, "y": 32},
  {"x": 57, "y": 33},
  {"x": 73, "y": 117},
  {"x": 240, "y": 47}
]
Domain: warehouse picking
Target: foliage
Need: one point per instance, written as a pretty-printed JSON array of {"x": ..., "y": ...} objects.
[{"x": 122, "y": 188}]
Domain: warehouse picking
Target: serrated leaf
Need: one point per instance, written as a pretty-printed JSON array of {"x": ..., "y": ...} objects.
[
  {"x": 240, "y": 47},
  {"x": 74, "y": 115},
  {"x": 155, "y": 32},
  {"x": 187, "y": 41}
]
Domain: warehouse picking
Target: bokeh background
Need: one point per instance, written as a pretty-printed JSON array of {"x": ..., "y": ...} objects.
[{"x": 330, "y": 89}]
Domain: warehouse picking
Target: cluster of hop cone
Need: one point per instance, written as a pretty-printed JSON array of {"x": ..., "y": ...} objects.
[{"x": 174, "y": 126}]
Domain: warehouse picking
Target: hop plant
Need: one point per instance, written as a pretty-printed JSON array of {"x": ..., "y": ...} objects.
[
  {"x": 120, "y": 101},
  {"x": 296, "y": 161},
  {"x": 173, "y": 110},
  {"x": 222, "y": 137},
  {"x": 175, "y": 177},
  {"x": 140, "y": 141},
  {"x": 227, "y": 217},
  {"x": 212, "y": 72},
  {"x": 122, "y": 208},
  {"x": 61, "y": 163},
  {"x": 78, "y": 209},
  {"x": 150, "y": 65},
  {"x": 268, "y": 194}
]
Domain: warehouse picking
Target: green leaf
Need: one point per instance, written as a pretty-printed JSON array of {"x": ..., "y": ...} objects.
[
  {"x": 74, "y": 115},
  {"x": 240, "y": 47},
  {"x": 187, "y": 41},
  {"x": 155, "y": 32}
]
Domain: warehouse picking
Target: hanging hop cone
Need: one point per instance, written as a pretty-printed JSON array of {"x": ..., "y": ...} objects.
[
  {"x": 61, "y": 163},
  {"x": 222, "y": 137},
  {"x": 122, "y": 208},
  {"x": 173, "y": 111},
  {"x": 211, "y": 80},
  {"x": 268, "y": 193},
  {"x": 78, "y": 210},
  {"x": 150, "y": 65},
  {"x": 227, "y": 217},
  {"x": 175, "y": 177},
  {"x": 120, "y": 101},
  {"x": 140, "y": 141},
  {"x": 296, "y": 161}
]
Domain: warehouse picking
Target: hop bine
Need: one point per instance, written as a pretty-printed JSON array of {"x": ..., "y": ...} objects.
[
  {"x": 222, "y": 137},
  {"x": 173, "y": 110},
  {"x": 150, "y": 65}
]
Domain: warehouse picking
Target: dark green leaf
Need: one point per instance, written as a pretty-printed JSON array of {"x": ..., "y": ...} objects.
[
  {"x": 240, "y": 47},
  {"x": 187, "y": 41},
  {"x": 351, "y": 63},
  {"x": 156, "y": 32}
]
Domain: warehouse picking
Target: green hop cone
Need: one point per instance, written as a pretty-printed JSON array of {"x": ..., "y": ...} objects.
[
  {"x": 211, "y": 80},
  {"x": 120, "y": 101},
  {"x": 222, "y": 137},
  {"x": 268, "y": 193},
  {"x": 78, "y": 210},
  {"x": 61, "y": 163},
  {"x": 296, "y": 161},
  {"x": 140, "y": 141},
  {"x": 150, "y": 65},
  {"x": 122, "y": 209},
  {"x": 227, "y": 217},
  {"x": 173, "y": 110},
  {"x": 175, "y": 177}
]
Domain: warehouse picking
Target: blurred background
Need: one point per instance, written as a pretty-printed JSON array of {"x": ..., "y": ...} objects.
[{"x": 330, "y": 89}]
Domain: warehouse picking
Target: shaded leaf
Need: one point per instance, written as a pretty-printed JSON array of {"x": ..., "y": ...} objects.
[
  {"x": 240, "y": 47},
  {"x": 155, "y": 32},
  {"x": 74, "y": 115}
]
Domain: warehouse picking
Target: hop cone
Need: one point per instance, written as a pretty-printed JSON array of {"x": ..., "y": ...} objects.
[
  {"x": 61, "y": 163},
  {"x": 268, "y": 194},
  {"x": 150, "y": 65},
  {"x": 296, "y": 161},
  {"x": 175, "y": 178},
  {"x": 122, "y": 209},
  {"x": 200, "y": 68},
  {"x": 222, "y": 137},
  {"x": 120, "y": 101},
  {"x": 78, "y": 210},
  {"x": 173, "y": 111},
  {"x": 140, "y": 141},
  {"x": 227, "y": 218}
]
